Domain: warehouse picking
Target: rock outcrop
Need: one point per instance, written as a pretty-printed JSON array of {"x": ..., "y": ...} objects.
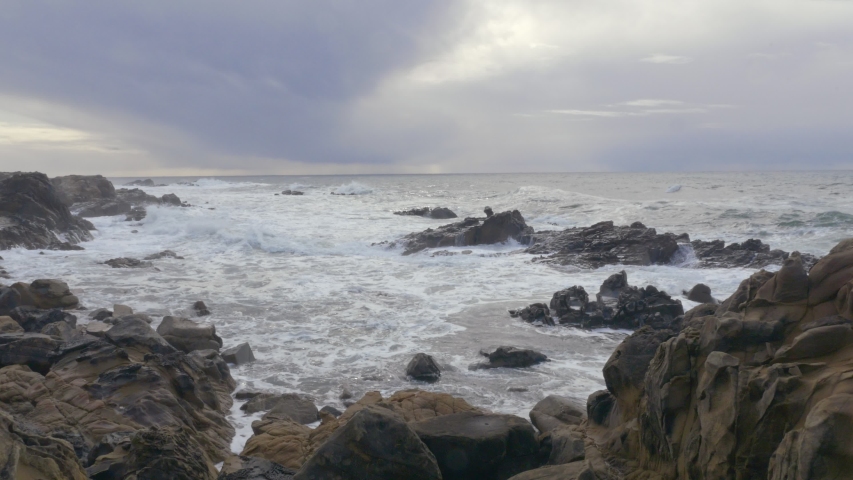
[
  {"x": 73, "y": 189},
  {"x": 756, "y": 387},
  {"x": 40, "y": 294},
  {"x": 33, "y": 216},
  {"x": 437, "y": 212},
  {"x": 130, "y": 202},
  {"x": 498, "y": 228}
]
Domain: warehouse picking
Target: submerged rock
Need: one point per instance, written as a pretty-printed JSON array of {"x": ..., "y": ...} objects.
[
  {"x": 141, "y": 183},
  {"x": 292, "y": 192},
  {"x": 437, "y": 212},
  {"x": 127, "y": 262}
]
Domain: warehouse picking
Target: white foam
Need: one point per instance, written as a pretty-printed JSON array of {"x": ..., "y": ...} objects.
[
  {"x": 673, "y": 188},
  {"x": 353, "y": 188}
]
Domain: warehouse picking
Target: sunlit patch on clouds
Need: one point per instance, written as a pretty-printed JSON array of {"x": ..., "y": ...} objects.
[
  {"x": 45, "y": 136},
  {"x": 664, "y": 58},
  {"x": 641, "y": 108}
]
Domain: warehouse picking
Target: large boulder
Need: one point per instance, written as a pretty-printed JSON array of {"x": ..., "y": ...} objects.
[
  {"x": 35, "y": 350},
  {"x": 33, "y": 216},
  {"x": 41, "y": 294},
  {"x": 132, "y": 331},
  {"x": 73, "y": 189},
  {"x": 423, "y": 367},
  {"x": 374, "y": 444},
  {"x": 187, "y": 335},
  {"x": 554, "y": 411},
  {"x": 472, "y": 445},
  {"x": 498, "y": 228},
  {"x": 238, "y": 355}
]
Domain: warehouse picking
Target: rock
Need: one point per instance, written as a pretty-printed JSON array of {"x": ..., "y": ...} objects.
[
  {"x": 292, "y": 192},
  {"x": 46, "y": 294},
  {"x": 563, "y": 445},
  {"x": 25, "y": 454},
  {"x": 170, "y": 199},
  {"x": 533, "y": 313},
  {"x": 33, "y": 216},
  {"x": 613, "y": 286},
  {"x": 288, "y": 405},
  {"x": 510, "y": 357},
  {"x": 141, "y": 183},
  {"x": 34, "y": 350},
  {"x": 331, "y": 411},
  {"x": 186, "y": 335},
  {"x": 33, "y": 320},
  {"x": 700, "y": 293},
  {"x": 200, "y": 309},
  {"x": 553, "y": 412},
  {"x": 374, "y": 444},
  {"x": 97, "y": 328},
  {"x": 136, "y": 214},
  {"x": 126, "y": 202},
  {"x": 498, "y": 228},
  {"x": 476, "y": 445},
  {"x": 133, "y": 331},
  {"x": 100, "y": 314},
  {"x": 816, "y": 342},
  {"x": 423, "y": 367},
  {"x": 569, "y": 471},
  {"x": 121, "y": 310},
  {"x": 751, "y": 254},
  {"x": 127, "y": 262},
  {"x": 164, "y": 254},
  {"x": 238, "y": 355},
  {"x": 437, "y": 212},
  {"x": 626, "y": 368},
  {"x": 9, "y": 325},
  {"x": 488, "y": 211},
  {"x": 253, "y": 468},
  {"x": 73, "y": 189}
]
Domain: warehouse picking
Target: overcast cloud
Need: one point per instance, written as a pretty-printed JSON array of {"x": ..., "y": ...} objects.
[{"x": 395, "y": 86}]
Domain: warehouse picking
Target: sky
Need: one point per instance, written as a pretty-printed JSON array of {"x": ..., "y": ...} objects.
[{"x": 216, "y": 87}]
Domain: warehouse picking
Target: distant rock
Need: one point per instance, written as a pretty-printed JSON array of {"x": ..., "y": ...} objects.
[
  {"x": 752, "y": 253},
  {"x": 129, "y": 202},
  {"x": 164, "y": 254},
  {"x": 498, "y": 228},
  {"x": 141, "y": 183},
  {"x": 127, "y": 262},
  {"x": 33, "y": 216},
  {"x": 423, "y": 367},
  {"x": 200, "y": 309},
  {"x": 536, "y": 312},
  {"x": 700, "y": 293},
  {"x": 510, "y": 357},
  {"x": 437, "y": 212},
  {"x": 292, "y": 192}
]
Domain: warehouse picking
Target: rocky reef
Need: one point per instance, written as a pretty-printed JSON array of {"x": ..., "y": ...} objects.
[{"x": 95, "y": 196}]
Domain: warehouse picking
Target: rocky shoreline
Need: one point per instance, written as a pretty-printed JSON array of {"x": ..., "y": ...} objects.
[{"x": 755, "y": 386}]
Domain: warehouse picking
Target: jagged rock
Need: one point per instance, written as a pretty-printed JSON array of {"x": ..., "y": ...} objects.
[
  {"x": 164, "y": 254},
  {"x": 73, "y": 189},
  {"x": 141, "y": 183},
  {"x": 751, "y": 254},
  {"x": 25, "y": 454},
  {"x": 32, "y": 319},
  {"x": 374, "y": 444},
  {"x": 604, "y": 244},
  {"x": 476, "y": 445},
  {"x": 187, "y": 335},
  {"x": 553, "y": 412},
  {"x": 700, "y": 293},
  {"x": 423, "y": 367},
  {"x": 495, "y": 229},
  {"x": 200, "y": 309},
  {"x": 238, "y": 355},
  {"x": 126, "y": 202},
  {"x": 536, "y": 312},
  {"x": 9, "y": 325},
  {"x": 33, "y": 216},
  {"x": 488, "y": 211},
  {"x": 437, "y": 212},
  {"x": 133, "y": 331},
  {"x": 34, "y": 350},
  {"x": 562, "y": 445},
  {"x": 613, "y": 286},
  {"x": 290, "y": 405},
  {"x": 238, "y": 467},
  {"x": 127, "y": 262},
  {"x": 510, "y": 357}
]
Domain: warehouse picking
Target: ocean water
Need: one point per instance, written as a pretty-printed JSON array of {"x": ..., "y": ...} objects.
[{"x": 298, "y": 278}]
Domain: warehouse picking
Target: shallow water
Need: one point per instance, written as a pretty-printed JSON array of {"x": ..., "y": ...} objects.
[{"x": 297, "y": 277}]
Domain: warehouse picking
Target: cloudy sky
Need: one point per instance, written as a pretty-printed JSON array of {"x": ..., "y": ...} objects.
[{"x": 201, "y": 87}]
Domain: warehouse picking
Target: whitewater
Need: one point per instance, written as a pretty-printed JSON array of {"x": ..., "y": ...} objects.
[{"x": 325, "y": 308}]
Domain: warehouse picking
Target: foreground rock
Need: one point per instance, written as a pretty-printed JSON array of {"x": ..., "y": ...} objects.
[
  {"x": 25, "y": 454},
  {"x": 756, "y": 387},
  {"x": 33, "y": 216},
  {"x": 498, "y": 228},
  {"x": 554, "y": 412},
  {"x": 437, "y": 212},
  {"x": 423, "y": 367},
  {"x": 253, "y": 468}
]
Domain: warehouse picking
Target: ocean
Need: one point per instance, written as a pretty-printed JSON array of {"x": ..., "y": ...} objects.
[{"x": 324, "y": 309}]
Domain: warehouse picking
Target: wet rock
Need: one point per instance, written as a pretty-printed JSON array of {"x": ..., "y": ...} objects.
[
  {"x": 126, "y": 202},
  {"x": 290, "y": 405},
  {"x": 374, "y": 444},
  {"x": 127, "y": 262},
  {"x": 201, "y": 309},
  {"x": 536, "y": 312},
  {"x": 553, "y": 412},
  {"x": 34, "y": 350},
  {"x": 510, "y": 357},
  {"x": 437, "y": 212},
  {"x": 136, "y": 214},
  {"x": 563, "y": 445},
  {"x": 238, "y": 355},
  {"x": 476, "y": 445},
  {"x": 100, "y": 314},
  {"x": 423, "y": 367},
  {"x": 330, "y": 411},
  {"x": 46, "y": 293},
  {"x": 751, "y": 254},
  {"x": 700, "y": 293},
  {"x": 613, "y": 286},
  {"x": 292, "y": 192},
  {"x": 253, "y": 468},
  {"x": 141, "y": 183},
  {"x": 32, "y": 215},
  {"x": 73, "y": 189},
  {"x": 164, "y": 254},
  {"x": 626, "y": 368},
  {"x": 488, "y": 211},
  {"x": 187, "y": 335},
  {"x": 498, "y": 228}
]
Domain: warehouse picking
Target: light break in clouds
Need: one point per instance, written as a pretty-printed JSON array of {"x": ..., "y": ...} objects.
[{"x": 382, "y": 86}]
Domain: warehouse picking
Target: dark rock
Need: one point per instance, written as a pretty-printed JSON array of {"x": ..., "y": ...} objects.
[
  {"x": 536, "y": 312},
  {"x": 136, "y": 214},
  {"x": 437, "y": 212},
  {"x": 200, "y": 309},
  {"x": 43, "y": 294},
  {"x": 563, "y": 445},
  {"x": 170, "y": 199},
  {"x": 127, "y": 262},
  {"x": 626, "y": 368},
  {"x": 164, "y": 254},
  {"x": 238, "y": 355},
  {"x": 130, "y": 202},
  {"x": 488, "y": 211},
  {"x": 100, "y": 314},
  {"x": 133, "y": 331},
  {"x": 498, "y": 228},
  {"x": 253, "y": 468},
  {"x": 290, "y": 405},
  {"x": 331, "y": 411},
  {"x": 470, "y": 445},
  {"x": 187, "y": 335},
  {"x": 120, "y": 310},
  {"x": 554, "y": 412},
  {"x": 73, "y": 189},
  {"x": 32, "y": 214},
  {"x": 141, "y": 183},
  {"x": 34, "y": 320},
  {"x": 292, "y": 192},
  {"x": 27, "y": 454},
  {"x": 510, "y": 357},
  {"x": 373, "y": 444},
  {"x": 34, "y": 350},
  {"x": 700, "y": 293},
  {"x": 599, "y": 405},
  {"x": 751, "y": 254},
  {"x": 9, "y": 325},
  {"x": 423, "y": 367},
  {"x": 613, "y": 286}
]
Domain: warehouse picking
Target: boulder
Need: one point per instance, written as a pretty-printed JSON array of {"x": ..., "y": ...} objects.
[
  {"x": 201, "y": 309},
  {"x": 33, "y": 216},
  {"x": 121, "y": 310},
  {"x": 46, "y": 294},
  {"x": 554, "y": 412},
  {"x": 510, "y": 357},
  {"x": 170, "y": 199},
  {"x": 34, "y": 350},
  {"x": 239, "y": 467},
  {"x": 287, "y": 405},
  {"x": 97, "y": 328},
  {"x": 613, "y": 286},
  {"x": 133, "y": 332},
  {"x": 373, "y": 444},
  {"x": 164, "y": 254},
  {"x": 498, "y": 228},
  {"x": 423, "y": 367},
  {"x": 238, "y": 355},
  {"x": 9, "y": 325},
  {"x": 470, "y": 445},
  {"x": 127, "y": 262},
  {"x": 100, "y": 314},
  {"x": 534, "y": 313},
  {"x": 73, "y": 189},
  {"x": 32, "y": 319},
  {"x": 187, "y": 335},
  {"x": 700, "y": 293}
]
